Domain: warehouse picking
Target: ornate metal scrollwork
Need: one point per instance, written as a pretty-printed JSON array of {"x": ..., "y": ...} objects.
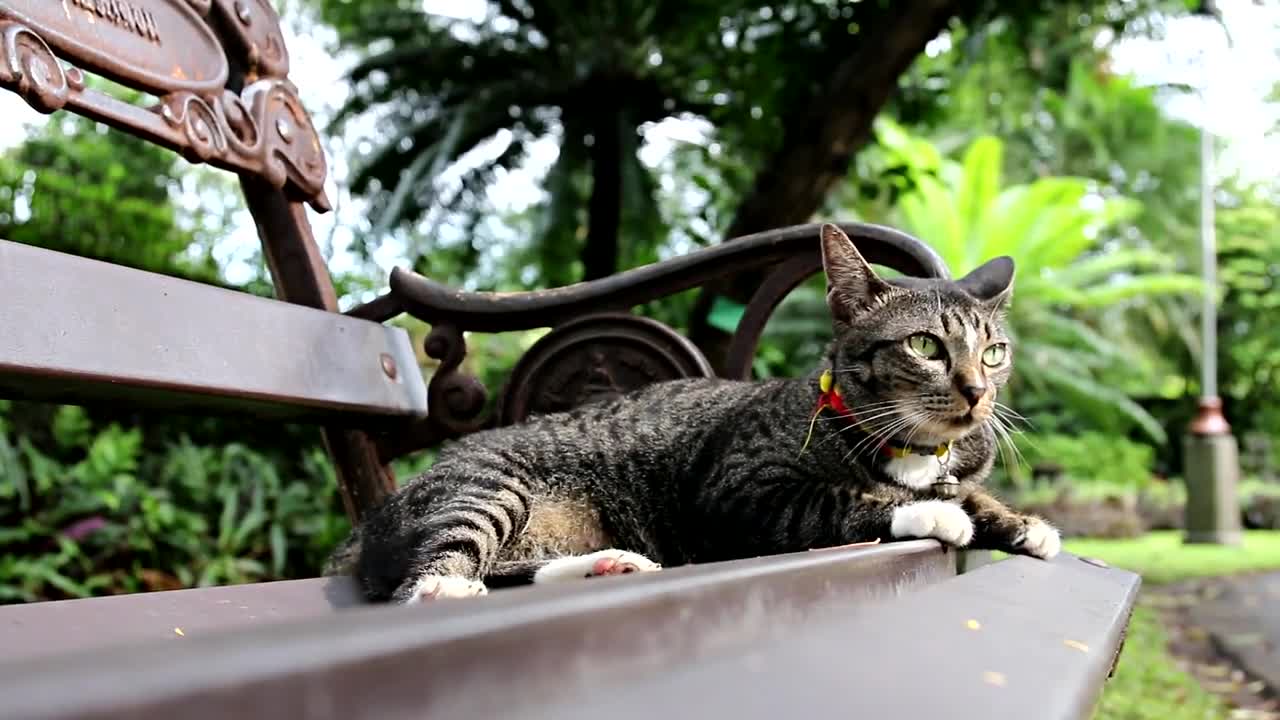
[
  {"x": 593, "y": 357},
  {"x": 291, "y": 146},
  {"x": 455, "y": 400},
  {"x": 200, "y": 125},
  {"x": 31, "y": 68},
  {"x": 256, "y": 29},
  {"x": 169, "y": 48}
]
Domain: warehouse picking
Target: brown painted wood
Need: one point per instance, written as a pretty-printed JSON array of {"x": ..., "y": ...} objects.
[
  {"x": 862, "y": 632},
  {"x": 64, "y": 626},
  {"x": 481, "y": 657},
  {"x": 301, "y": 277},
  {"x": 83, "y": 331}
]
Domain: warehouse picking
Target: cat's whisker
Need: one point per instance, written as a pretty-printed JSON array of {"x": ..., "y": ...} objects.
[
  {"x": 863, "y": 422},
  {"x": 1009, "y": 414},
  {"x": 861, "y": 412},
  {"x": 928, "y": 416},
  {"x": 1008, "y": 422},
  {"x": 880, "y": 435},
  {"x": 1008, "y": 410},
  {"x": 1001, "y": 444},
  {"x": 874, "y": 431},
  {"x": 1008, "y": 445}
]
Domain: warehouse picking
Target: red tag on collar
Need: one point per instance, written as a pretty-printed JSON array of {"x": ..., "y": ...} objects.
[{"x": 828, "y": 398}]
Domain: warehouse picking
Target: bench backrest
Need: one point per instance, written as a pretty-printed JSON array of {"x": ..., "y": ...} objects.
[{"x": 80, "y": 331}]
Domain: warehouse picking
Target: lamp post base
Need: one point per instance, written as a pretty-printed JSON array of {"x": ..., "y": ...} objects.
[{"x": 1212, "y": 474}]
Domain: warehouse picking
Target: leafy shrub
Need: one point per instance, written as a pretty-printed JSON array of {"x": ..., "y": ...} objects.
[
  {"x": 91, "y": 510},
  {"x": 1090, "y": 457},
  {"x": 1260, "y": 505}
]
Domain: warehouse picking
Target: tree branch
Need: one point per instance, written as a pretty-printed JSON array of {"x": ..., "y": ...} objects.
[{"x": 820, "y": 139}]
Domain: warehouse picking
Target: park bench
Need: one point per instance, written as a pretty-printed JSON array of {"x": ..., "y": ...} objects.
[{"x": 907, "y": 629}]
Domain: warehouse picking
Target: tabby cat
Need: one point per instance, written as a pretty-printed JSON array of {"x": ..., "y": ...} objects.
[{"x": 889, "y": 438}]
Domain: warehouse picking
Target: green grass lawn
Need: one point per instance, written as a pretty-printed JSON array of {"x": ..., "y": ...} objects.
[
  {"x": 1147, "y": 684},
  {"x": 1161, "y": 557}
]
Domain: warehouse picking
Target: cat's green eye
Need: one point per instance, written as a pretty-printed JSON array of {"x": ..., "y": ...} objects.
[
  {"x": 994, "y": 355},
  {"x": 925, "y": 346}
]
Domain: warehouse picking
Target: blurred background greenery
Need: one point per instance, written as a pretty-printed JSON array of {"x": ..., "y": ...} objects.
[{"x": 533, "y": 143}]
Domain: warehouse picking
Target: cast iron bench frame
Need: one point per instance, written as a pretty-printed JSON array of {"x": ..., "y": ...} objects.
[{"x": 889, "y": 628}]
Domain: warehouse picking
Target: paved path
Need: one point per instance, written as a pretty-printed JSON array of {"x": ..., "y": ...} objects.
[{"x": 1242, "y": 615}]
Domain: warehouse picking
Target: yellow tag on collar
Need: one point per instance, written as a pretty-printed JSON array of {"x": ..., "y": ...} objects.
[{"x": 829, "y": 397}]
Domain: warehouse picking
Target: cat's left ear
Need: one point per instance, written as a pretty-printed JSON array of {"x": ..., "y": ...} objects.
[{"x": 990, "y": 282}]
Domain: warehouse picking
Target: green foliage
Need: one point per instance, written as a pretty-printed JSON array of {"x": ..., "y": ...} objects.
[
  {"x": 459, "y": 102},
  {"x": 78, "y": 188},
  {"x": 1249, "y": 337},
  {"x": 1091, "y": 458},
  {"x": 94, "y": 511},
  {"x": 1072, "y": 279}
]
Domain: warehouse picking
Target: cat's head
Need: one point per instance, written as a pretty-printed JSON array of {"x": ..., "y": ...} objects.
[{"x": 917, "y": 358}]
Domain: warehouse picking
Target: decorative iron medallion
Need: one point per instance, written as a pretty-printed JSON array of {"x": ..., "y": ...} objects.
[{"x": 594, "y": 357}]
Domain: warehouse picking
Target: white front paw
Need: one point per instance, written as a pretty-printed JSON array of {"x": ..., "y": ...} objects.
[
  {"x": 596, "y": 564},
  {"x": 1041, "y": 539},
  {"x": 933, "y": 518},
  {"x": 438, "y": 587}
]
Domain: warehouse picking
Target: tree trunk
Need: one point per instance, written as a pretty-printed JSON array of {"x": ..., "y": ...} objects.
[
  {"x": 600, "y": 254},
  {"x": 819, "y": 141}
]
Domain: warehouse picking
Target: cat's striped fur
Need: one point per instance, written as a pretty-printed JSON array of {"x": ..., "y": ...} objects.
[{"x": 703, "y": 470}]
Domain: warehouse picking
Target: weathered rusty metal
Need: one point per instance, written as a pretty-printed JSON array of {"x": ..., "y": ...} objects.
[
  {"x": 861, "y": 632},
  {"x": 160, "y": 46},
  {"x": 254, "y": 35},
  {"x": 170, "y": 48},
  {"x": 456, "y": 400},
  {"x": 597, "y": 356},
  {"x": 80, "y": 330},
  {"x": 434, "y": 302},
  {"x": 380, "y": 309},
  {"x": 780, "y": 281},
  {"x": 300, "y": 276}
]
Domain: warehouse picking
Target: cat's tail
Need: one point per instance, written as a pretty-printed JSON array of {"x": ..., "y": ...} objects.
[{"x": 342, "y": 561}]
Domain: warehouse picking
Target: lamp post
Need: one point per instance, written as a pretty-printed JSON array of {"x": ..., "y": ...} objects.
[{"x": 1211, "y": 456}]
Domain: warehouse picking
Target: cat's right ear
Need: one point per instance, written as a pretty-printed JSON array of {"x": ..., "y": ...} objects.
[{"x": 852, "y": 286}]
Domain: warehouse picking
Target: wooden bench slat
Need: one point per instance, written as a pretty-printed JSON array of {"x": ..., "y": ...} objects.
[
  {"x": 858, "y": 633},
  {"x": 1046, "y": 639},
  {"x": 63, "y": 626},
  {"x": 466, "y": 658},
  {"x": 77, "y": 330}
]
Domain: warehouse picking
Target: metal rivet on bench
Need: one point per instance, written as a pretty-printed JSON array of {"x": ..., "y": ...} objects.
[
  {"x": 242, "y": 12},
  {"x": 1095, "y": 561},
  {"x": 388, "y": 365}
]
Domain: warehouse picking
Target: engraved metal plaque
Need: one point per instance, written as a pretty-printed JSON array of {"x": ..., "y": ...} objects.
[{"x": 161, "y": 46}]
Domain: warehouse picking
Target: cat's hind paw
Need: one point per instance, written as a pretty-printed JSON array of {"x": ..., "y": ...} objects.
[
  {"x": 933, "y": 518},
  {"x": 438, "y": 587},
  {"x": 1041, "y": 540},
  {"x": 596, "y": 564}
]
